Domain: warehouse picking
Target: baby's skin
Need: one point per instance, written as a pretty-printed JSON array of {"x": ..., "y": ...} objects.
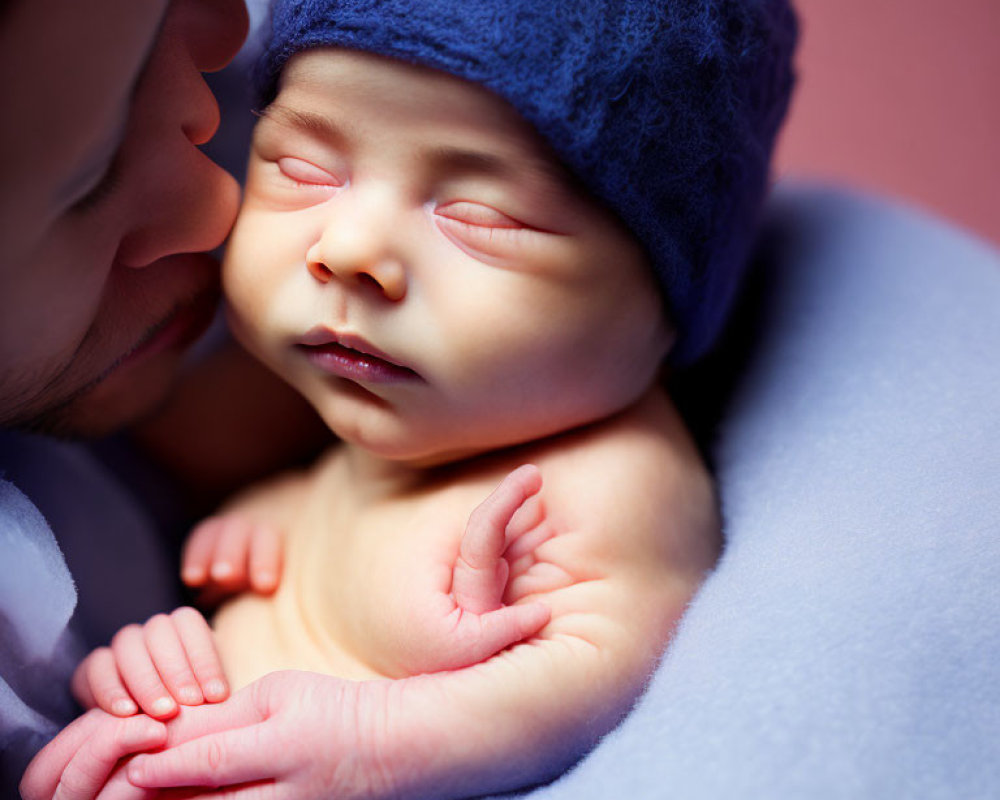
[
  {"x": 495, "y": 557},
  {"x": 586, "y": 573},
  {"x": 386, "y": 578}
]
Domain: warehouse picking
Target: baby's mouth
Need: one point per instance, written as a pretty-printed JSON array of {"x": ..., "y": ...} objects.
[{"x": 351, "y": 357}]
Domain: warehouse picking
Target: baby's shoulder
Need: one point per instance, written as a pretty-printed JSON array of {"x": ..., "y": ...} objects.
[
  {"x": 642, "y": 454},
  {"x": 274, "y": 500},
  {"x": 628, "y": 484}
]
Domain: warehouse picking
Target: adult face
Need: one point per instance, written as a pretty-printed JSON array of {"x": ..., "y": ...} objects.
[{"x": 107, "y": 203}]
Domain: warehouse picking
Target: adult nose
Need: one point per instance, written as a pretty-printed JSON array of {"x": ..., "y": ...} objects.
[
  {"x": 214, "y": 30},
  {"x": 185, "y": 203},
  {"x": 358, "y": 245}
]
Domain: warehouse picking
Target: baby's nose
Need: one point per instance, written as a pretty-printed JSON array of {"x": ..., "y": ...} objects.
[
  {"x": 358, "y": 248},
  {"x": 386, "y": 275}
]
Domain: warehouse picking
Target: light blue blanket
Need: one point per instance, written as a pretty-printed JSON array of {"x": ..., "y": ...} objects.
[{"x": 848, "y": 644}]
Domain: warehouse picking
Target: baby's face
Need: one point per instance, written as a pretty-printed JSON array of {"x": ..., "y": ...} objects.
[{"x": 412, "y": 260}]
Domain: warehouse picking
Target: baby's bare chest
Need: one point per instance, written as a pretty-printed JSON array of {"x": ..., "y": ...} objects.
[{"x": 358, "y": 576}]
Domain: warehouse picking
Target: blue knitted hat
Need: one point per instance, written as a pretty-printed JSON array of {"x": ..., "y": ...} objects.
[{"x": 665, "y": 109}]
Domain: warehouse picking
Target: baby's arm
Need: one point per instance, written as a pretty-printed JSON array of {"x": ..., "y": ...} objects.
[
  {"x": 516, "y": 719},
  {"x": 460, "y": 616}
]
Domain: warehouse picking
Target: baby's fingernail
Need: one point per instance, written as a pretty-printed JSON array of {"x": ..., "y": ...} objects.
[
  {"x": 193, "y": 576},
  {"x": 221, "y": 570},
  {"x": 190, "y": 696},
  {"x": 123, "y": 707},
  {"x": 216, "y": 689},
  {"x": 163, "y": 706},
  {"x": 265, "y": 579}
]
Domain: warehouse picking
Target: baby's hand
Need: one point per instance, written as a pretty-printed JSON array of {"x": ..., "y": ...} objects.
[
  {"x": 471, "y": 623},
  {"x": 232, "y": 553},
  {"x": 171, "y": 659}
]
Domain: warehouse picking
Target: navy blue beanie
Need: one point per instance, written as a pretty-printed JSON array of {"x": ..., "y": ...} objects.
[{"x": 665, "y": 109}]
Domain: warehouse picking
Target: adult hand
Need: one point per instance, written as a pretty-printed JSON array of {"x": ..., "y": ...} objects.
[
  {"x": 288, "y": 736},
  {"x": 82, "y": 762}
]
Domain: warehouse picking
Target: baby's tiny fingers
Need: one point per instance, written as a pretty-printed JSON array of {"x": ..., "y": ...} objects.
[
  {"x": 265, "y": 558},
  {"x": 196, "y": 559},
  {"x": 139, "y": 673},
  {"x": 98, "y": 683},
  {"x": 79, "y": 684},
  {"x": 167, "y": 649},
  {"x": 196, "y": 637},
  {"x": 229, "y": 562}
]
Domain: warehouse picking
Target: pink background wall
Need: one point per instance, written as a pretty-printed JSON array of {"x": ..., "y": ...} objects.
[{"x": 901, "y": 96}]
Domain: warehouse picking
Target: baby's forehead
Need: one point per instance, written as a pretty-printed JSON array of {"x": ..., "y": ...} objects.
[{"x": 451, "y": 122}]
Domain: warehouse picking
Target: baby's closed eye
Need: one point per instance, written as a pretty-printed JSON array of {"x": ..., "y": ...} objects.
[
  {"x": 477, "y": 214},
  {"x": 480, "y": 229},
  {"x": 305, "y": 173}
]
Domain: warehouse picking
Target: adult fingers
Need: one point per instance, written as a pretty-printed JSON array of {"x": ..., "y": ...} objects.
[
  {"x": 239, "y": 711},
  {"x": 218, "y": 759},
  {"x": 91, "y": 766},
  {"x": 42, "y": 775},
  {"x": 76, "y": 764}
]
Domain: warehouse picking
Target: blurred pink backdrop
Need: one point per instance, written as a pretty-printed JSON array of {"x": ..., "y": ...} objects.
[{"x": 903, "y": 97}]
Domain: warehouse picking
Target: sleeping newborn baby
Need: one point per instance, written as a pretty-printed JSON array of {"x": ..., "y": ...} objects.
[{"x": 475, "y": 270}]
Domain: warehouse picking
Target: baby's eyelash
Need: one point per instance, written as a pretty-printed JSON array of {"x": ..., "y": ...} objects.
[
  {"x": 489, "y": 232},
  {"x": 479, "y": 215}
]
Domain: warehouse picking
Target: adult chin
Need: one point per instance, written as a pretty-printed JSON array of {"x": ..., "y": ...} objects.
[
  {"x": 118, "y": 401},
  {"x": 135, "y": 385}
]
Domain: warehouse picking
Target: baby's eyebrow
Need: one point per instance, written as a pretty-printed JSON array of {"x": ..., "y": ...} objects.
[
  {"x": 457, "y": 159},
  {"x": 462, "y": 160},
  {"x": 310, "y": 122}
]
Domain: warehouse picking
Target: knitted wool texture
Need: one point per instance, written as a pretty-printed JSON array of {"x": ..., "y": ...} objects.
[{"x": 665, "y": 109}]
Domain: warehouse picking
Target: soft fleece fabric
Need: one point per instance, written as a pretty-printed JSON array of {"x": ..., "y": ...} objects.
[
  {"x": 67, "y": 588},
  {"x": 847, "y": 647}
]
